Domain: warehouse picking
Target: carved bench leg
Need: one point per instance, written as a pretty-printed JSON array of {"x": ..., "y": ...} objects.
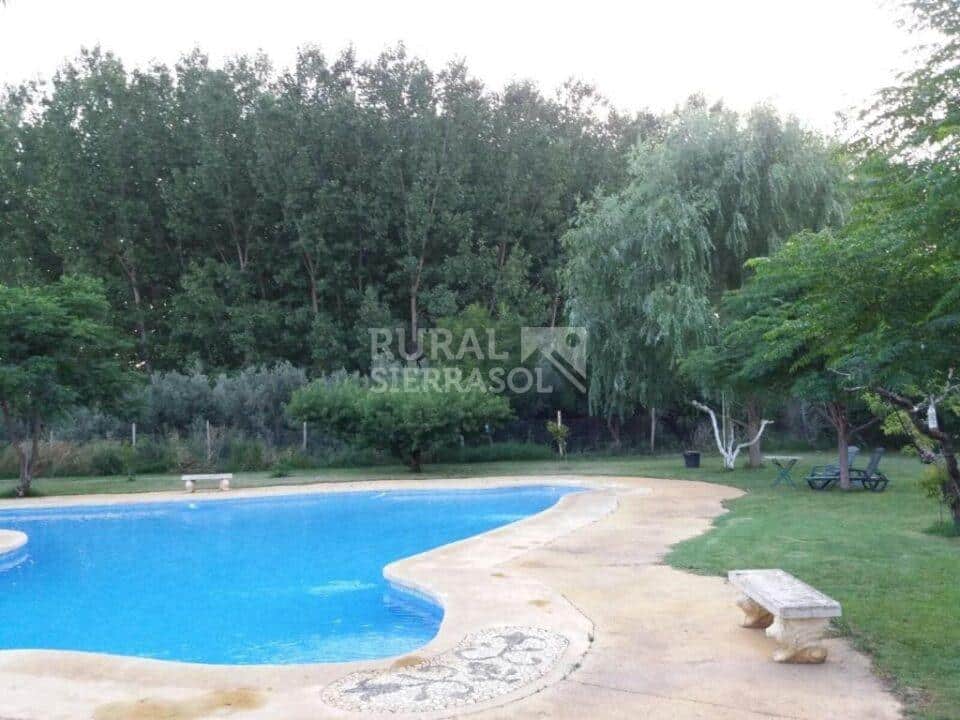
[
  {"x": 754, "y": 615},
  {"x": 799, "y": 640}
]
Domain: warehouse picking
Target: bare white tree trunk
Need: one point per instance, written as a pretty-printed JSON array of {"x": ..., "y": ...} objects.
[{"x": 726, "y": 440}]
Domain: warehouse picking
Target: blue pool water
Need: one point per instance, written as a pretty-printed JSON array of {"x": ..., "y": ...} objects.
[{"x": 292, "y": 579}]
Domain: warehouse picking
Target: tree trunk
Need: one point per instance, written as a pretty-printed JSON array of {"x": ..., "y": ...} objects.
[
  {"x": 501, "y": 261},
  {"x": 755, "y": 459},
  {"x": 414, "y": 324},
  {"x": 951, "y": 487},
  {"x": 141, "y": 326},
  {"x": 724, "y": 437},
  {"x": 843, "y": 456},
  {"x": 312, "y": 277},
  {"x": 26, "y": 472},
  {"x": 836, "y": 413},
  {"x": 26, "y": 462},
  {"x": 929, "y": 426},
  {"x": 416, "y": 461},
  {"x": 613, "y": 425},
  {"x": 138, "y": 304},
  {"x": 413, "y": 345}
]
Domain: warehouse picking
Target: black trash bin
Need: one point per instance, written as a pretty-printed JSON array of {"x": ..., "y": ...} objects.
[{"x": 691, "y": 459}]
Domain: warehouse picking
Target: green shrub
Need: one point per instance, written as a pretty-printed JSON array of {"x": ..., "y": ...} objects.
[
  {"x": 106, "y": 458},
  {"x": 153, "y": 457},
  {"x": 246, "y": 455},
  {"x": 348, "y": 456},
  {"x": 280, "y": 469},
  {"x": 9, "y": 467},
  {"x": 495, "y": 452},
  {"x": 932, "y": 482},
  {"x": 187, "y": 457},
  {"x": 252, "y": 400},
  {"x": 289, "y": 460},
  {"x": 294, "y": 459},
  {"x": 82, "y": 425},
  {"x": 62, "y": 459},
  {"x": 409, "y": 421},
  {"x": 559, "y": 433},
  {"x": 111, "y": 457},
  {"x": 172, "y": 401}
]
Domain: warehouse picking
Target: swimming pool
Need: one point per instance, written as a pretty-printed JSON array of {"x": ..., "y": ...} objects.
[{"x": 269, "y": 580}]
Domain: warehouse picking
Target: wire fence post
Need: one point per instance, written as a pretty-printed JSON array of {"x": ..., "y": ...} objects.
[{"x": 653, "y": 430}]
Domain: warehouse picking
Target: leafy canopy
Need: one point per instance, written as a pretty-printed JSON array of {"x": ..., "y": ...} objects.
[
  {"x": 646, "y": 264},
  {"x": 58, "y": 349}
]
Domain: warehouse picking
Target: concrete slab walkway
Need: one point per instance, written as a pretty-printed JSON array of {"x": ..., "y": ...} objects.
[
  {"x": 668, "y": 643},
  {"x": 644, "y": 640}
]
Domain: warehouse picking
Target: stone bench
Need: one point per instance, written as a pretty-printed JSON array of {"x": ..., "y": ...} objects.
[
  {"x": 222, "y": 480},
  {"x": 793, "y": 613}
]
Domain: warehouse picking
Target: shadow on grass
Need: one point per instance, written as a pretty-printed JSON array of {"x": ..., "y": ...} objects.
[{"x": 944, "y": 528}]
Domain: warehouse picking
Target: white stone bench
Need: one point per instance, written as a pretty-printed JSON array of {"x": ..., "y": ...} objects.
[
  {"x": 222, "y": 480},
  {"x": 793, "y": 613}
]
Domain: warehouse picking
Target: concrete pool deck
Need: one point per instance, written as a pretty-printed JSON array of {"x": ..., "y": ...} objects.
[{"x": 641, "y": 639}]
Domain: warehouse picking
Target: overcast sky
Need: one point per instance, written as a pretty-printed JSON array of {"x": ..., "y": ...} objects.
[{"x": 810, "y": 57}]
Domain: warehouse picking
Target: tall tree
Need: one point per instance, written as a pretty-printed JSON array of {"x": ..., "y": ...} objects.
[
  {"x": 212, "y": 199},
  {"x": 58, "y": 349},
  {"x": 239, "y": 216},
  {"x": 646, "y": 264},
  {"x": 891, "y": 322},
  {"x": 110, "y": 144},
  {"x": 882, "y": 300},
  {"x": 773, "y": 343},
  {"x": 27, "y": 254},
  {"x": 426, "y": 119}
]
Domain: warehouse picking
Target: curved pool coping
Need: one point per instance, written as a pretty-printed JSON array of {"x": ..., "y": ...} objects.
[
  {"x": 12, "y": 548},
  {"x": 463, "y": 577},
  {"x": 11, "y": 540}
]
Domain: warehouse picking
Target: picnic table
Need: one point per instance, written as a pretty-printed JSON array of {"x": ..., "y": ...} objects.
[{"x": 784, "y": 465}]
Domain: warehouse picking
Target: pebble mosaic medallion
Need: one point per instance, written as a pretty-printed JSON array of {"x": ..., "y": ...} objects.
[{"x": 483, "y": 666}]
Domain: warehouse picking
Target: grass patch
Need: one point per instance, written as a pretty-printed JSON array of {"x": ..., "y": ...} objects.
[
  {"x": 898, "y": 586},
  {"x": 897, "y": 583}
]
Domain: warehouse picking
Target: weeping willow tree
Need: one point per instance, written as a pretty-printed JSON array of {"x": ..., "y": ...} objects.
[{"x": 646, "y": 265}]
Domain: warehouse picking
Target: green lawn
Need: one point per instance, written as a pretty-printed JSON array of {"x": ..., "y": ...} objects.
[{"x": 899, "y": 586}]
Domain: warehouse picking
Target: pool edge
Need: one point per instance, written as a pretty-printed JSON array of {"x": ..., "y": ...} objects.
[
  {"x": 462, "y": 577},
  {"x": 11, "y": 541}
]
